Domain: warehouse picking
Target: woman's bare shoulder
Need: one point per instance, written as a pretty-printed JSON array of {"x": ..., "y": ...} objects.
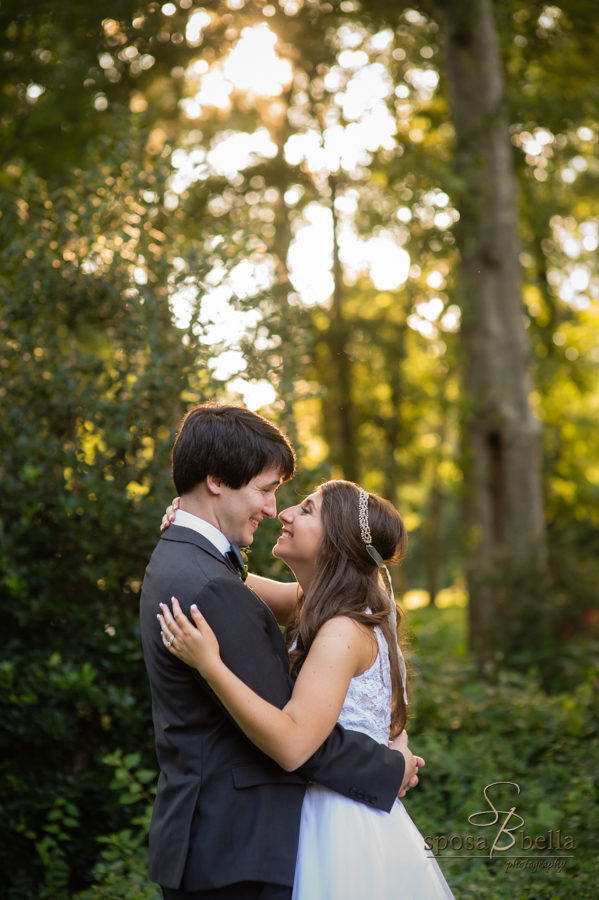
[
  {"x": 342, "y": 636},
  {"x": 346, "y": 629}
]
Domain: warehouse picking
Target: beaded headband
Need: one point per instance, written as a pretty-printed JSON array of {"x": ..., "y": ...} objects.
[
  {"x": 388, "y": 588},
  {"x": 365, "y": 528}
]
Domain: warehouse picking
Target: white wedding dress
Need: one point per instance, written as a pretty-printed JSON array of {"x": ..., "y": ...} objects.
[{"x": 350, "y": 851}]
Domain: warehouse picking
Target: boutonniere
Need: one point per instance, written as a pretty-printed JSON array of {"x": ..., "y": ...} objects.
[{"x": 245, "y": 551}]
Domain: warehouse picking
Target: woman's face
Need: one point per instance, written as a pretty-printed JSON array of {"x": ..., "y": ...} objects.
[{"x": 302, "y": 533}]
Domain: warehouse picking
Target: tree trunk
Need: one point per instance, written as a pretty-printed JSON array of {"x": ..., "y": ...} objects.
[
  {"x": 344, "y": 444},
  {"x": 432, "y": 538},
  {"x": 289, "y": 320},
  {"x": 393, "y": 425},
  {"x": 501, "y": 436}
]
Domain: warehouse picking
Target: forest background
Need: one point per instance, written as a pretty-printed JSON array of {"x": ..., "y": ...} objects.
[{"x": 377, "y": 225}]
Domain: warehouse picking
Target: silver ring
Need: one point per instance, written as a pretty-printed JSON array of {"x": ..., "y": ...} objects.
[{"x": 168, "y": 643}]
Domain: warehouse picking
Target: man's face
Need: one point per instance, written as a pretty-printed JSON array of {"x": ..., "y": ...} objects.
[{"x": 241, "y": 511}]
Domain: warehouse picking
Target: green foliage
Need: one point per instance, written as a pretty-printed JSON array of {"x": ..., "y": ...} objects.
[
  {"x": 59, "y": 50},
  {"x": 95, "y": 378},
  {"x": 53, "y": 846},
  {"x": 473, "y": 733},
  {"x": 121, "y": 873},
  {"x": 92, "y": 373}
]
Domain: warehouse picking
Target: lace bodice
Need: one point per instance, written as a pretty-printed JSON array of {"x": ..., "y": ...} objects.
[{"x": 367, "y": 705}]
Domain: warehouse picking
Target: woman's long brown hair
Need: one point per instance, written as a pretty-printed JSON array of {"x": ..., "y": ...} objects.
[{"x": 346, "y": 579}]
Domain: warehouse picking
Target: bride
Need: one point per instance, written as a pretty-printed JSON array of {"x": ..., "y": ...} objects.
[{"x": 347, "y": 666}]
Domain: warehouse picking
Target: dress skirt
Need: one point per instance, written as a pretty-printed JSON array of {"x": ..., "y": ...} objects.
[{"x": 349, "y": 851}]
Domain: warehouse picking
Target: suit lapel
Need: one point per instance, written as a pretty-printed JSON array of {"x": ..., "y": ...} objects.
[
  {"x": 188, "y": 536},
  {"x": 183, "y": 535}
]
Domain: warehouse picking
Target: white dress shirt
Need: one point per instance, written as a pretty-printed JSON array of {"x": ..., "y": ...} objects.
[{"x": 210, "y": 532}]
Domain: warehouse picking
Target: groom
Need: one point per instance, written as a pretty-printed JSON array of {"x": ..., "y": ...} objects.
[{"x": 226, "y": 820}]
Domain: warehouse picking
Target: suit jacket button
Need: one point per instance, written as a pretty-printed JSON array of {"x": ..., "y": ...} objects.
[
  {"x": 373, "y": 800},
  {"x": 360, "y": 795},
  {"x": 353, "y": 792}
]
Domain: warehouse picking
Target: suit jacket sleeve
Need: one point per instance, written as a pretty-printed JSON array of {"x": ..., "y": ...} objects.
[{"x": 251, "y": 645}]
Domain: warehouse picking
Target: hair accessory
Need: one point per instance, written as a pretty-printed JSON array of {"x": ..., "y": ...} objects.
[
  {"x": 388, "y": 587},
  {"x": 365, "y": 528}
]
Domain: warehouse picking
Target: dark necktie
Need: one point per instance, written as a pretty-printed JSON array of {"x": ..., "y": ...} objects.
[{"x": 236, "y": 559}]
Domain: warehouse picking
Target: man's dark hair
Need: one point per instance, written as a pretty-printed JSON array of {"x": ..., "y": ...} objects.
[{"x": 230, "y": 443}]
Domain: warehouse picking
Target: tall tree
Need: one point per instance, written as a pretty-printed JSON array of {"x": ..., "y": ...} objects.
[{"x": 501, "y": 435}]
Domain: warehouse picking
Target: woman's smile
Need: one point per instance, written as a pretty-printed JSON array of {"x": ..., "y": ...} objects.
[{"x": 300, "y": 538}]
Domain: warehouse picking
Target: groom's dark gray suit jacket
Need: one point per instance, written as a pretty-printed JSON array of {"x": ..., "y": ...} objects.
[{"x": 224, "y": 811}]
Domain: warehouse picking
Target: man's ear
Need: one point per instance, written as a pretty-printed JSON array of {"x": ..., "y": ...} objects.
[{"x": 214, "y": 485}]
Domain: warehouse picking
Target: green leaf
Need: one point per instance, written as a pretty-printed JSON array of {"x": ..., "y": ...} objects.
[
  {"x": 130, "y": 797},
  {"x": 145, "y": 775},
  {"x": 132, "y": 760}
]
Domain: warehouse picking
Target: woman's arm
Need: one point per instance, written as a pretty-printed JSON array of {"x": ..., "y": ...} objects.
[
  {"x": 279, "y": 596},
  {"x": 290, "y": 736}
]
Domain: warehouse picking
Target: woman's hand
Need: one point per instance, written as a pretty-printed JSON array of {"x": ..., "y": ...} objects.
[
  {"x": 195, "y": 645},
  {"x": 413, "y": 763},
  {"x": 169, "y": 515}
]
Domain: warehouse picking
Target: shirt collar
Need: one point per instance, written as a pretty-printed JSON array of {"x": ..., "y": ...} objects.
[{"x": 210, "y": 532}]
